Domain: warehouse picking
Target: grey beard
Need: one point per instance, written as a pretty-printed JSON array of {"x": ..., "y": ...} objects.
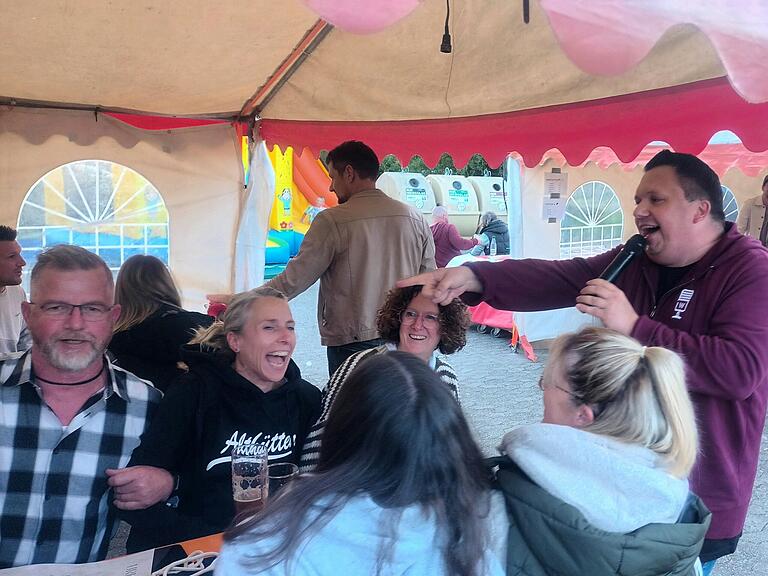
[{"x": 69, "y": 362}]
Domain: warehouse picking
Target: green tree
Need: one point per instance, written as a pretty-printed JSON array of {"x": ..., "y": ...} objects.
[
  {"x": 417, "y": 164},
  {"x": 477, "y": 166},
  {"x": 390, "y": 163},
  {"x": 445, "y": 163}
]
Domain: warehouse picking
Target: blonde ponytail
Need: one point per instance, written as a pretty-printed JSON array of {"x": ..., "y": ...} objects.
[
  {"x": 680, "y": 443},
  {"x": 637, "y": 393},
  {"x": 213, "y": 337}
]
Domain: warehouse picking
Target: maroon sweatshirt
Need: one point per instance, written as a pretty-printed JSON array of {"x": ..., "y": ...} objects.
[
  {"x": 448, "y": 242},
  {"x": 716, "y": 318}
]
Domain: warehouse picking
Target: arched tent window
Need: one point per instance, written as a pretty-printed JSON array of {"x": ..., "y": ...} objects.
[
  {"x": 730, "y": 206},
  {"x": 102, "y": 206},
  {"x": 593, "y": 221}
]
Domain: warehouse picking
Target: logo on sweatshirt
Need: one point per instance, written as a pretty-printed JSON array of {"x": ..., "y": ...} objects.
[
  {"x": 682, "y": 303},
  {"x": 278, "y": 446}
]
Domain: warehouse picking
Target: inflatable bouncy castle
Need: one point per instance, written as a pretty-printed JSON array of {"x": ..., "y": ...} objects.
[{"x": 301, "y": 192}]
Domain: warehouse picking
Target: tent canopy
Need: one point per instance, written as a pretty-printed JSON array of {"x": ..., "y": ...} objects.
[
  {"x": 161, "y": 70},
  {"x": 314, "y": 84},
  {"x": 183, "y": 58}
]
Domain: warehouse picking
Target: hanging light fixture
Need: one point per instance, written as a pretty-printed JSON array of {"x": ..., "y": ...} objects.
[{"x": 445, "y": 45}]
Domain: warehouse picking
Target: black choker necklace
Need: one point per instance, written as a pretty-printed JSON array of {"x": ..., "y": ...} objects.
[{"x": 91, "y": 379}]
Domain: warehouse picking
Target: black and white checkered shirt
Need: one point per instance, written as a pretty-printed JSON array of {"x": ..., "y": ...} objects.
[{"x": 54, "y": 498}]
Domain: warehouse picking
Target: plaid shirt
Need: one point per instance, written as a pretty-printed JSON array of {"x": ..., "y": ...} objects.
[{"x": 54, "y": 497}]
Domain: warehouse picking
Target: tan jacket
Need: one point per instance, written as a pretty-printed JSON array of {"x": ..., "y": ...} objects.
[
  {"x": 751, "y": 217},
  {"x": 358, "y": 249}
]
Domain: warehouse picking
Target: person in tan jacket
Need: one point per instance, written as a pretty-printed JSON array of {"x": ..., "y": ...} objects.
[
  {"x": 752, "y": 218},
  {"x": 358, "y": 250}
]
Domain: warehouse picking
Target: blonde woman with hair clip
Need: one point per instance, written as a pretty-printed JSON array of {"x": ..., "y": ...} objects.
[
  {"x": 242, "y": 386},
  {"x": 600, "y": 486},
  {"x": 152, "y": 326}
]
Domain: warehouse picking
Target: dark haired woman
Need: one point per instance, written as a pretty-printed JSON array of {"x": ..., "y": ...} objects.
[
  {"x": 152, "y": 326},
  {"x": 400, "y": 488},
  {"x": 408, "y": 322}
]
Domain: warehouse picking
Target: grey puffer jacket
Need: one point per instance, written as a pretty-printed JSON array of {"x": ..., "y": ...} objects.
[{"x": 548, "y": 537}]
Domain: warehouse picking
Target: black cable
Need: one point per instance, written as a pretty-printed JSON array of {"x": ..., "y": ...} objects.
[{"x": 445, "y": 45}]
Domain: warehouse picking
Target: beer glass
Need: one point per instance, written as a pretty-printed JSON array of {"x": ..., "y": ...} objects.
[
  {"x": 250, "y": 482},
  {"x": 280, "y": 474}
]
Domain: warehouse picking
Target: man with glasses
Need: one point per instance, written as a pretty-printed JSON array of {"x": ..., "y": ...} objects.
[
  {"x": 66, "y": 416},
  {"x": 13, "y": 333}
]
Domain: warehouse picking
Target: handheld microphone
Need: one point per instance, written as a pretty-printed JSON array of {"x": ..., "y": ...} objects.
[{"x": 632, "y": 248}]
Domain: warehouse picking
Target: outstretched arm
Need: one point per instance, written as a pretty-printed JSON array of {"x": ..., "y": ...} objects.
[
  {"x": 458, "y": 242},
  {"x": 444, "y": 284},
  {"x": 522, "y": 285},
  {"x": 315, "y": 256}
]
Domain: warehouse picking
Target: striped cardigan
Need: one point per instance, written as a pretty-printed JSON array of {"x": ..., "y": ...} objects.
[{"x": 311, "y": 452}]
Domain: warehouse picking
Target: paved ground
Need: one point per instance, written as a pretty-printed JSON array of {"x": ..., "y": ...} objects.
[{"x": 498, "y": 391}]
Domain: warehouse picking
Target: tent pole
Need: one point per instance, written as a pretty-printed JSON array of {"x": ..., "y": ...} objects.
[
  {"x": 281, "y": 75},
  {"x": 512, "y": 185}
]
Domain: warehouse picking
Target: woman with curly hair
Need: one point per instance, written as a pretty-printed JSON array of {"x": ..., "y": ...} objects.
[{"x": 407, "y": 322}]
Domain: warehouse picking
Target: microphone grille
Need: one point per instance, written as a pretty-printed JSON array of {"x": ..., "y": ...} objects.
[{"x": 636, "y": 242}]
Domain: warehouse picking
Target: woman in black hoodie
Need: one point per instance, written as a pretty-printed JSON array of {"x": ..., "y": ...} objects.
[
  {"x": 242, "y": 386},
  {"x": 152, "y": 326}
]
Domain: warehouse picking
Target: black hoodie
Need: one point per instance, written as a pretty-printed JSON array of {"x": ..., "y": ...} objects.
[
  {"x": 152, "y": 348},
  {"x": 203, "y": 414}
]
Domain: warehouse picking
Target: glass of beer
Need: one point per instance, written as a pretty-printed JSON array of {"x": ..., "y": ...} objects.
[
  {"x": 280, "y": 474},
  {"x": 250, "y": 481}
]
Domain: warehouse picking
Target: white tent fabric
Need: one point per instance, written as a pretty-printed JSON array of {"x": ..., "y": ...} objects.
[
  {"x": 498, "y": 64},
  {"x": 512, "y": 185},
  {"x": 196, "y": 170},
  {"x": 193, "y": 58},
  {"x": 183, "y": 57},
  {"x": 254, "y": 218}
]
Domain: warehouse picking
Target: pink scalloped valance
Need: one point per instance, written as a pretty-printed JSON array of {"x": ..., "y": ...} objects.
[
  {"x": 684, "y": 116},
  {"x": 719, "y": 157}
]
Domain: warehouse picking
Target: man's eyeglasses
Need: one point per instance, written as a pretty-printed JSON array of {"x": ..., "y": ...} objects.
[
  {"x": 89, "y": 312},
  {"x": 409, "y": 317}
]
